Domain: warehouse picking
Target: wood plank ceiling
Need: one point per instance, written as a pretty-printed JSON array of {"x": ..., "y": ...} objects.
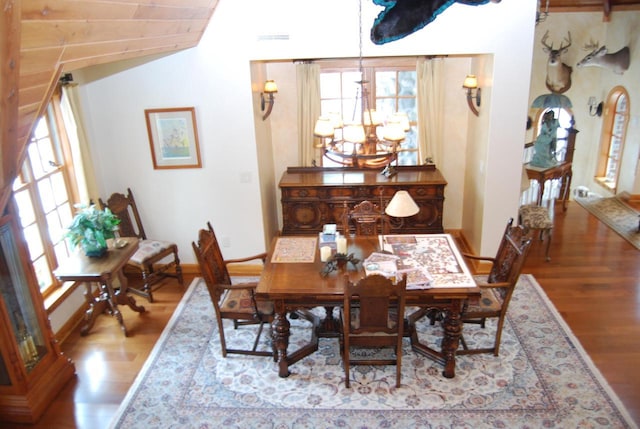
[{"x": 41, "y": 39}]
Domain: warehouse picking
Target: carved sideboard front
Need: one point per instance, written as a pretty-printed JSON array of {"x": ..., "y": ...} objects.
[{"x": 313, "y": 196}]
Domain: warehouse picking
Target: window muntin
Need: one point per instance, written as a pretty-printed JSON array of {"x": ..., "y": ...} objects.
[{"x": 615, "y": 121}]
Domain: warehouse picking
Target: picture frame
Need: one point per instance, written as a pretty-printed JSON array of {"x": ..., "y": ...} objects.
[{"x": 173, "y": 138}]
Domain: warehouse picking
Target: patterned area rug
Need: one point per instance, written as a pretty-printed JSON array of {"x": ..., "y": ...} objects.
[
  {"x": 542, "y": 378},
  {"x": 616, "y": 215}
]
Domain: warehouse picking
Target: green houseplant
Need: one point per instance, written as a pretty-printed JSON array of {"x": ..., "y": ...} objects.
[{"x": 91, "y": 228}]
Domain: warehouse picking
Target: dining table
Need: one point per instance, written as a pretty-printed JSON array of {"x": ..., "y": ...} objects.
[{"x": 296, "y": 280}]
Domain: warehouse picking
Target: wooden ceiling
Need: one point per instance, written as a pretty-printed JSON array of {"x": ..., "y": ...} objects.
[
  {"x": 41, "y": 39},
  {"x": 605, "y": 6}
]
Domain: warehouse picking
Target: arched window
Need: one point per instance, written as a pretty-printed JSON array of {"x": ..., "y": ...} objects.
[
  {"x": 565, "y": 118},
  {"x": 614, "y": 129}
]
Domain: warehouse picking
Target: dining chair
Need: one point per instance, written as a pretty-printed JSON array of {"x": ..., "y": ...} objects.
[
  {"x": 373, "y": 317},
  {"x": 155, "y": 259},
  {"x": 235, "y": 302},
  {"x": 497, "y": 287},
  {"x": 366, "y": 217},
  {"x": 537, "y": 218}
]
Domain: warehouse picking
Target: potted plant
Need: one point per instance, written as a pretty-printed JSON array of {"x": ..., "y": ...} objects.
[{"x": 91, "y": 228}]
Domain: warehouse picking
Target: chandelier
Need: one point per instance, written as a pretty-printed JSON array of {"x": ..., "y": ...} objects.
[{"x": 368, "y": 140}]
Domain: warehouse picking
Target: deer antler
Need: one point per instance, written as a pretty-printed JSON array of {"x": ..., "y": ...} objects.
[
  {"x": 591, "y": 46},
  {"x": 563, "y": 48},
  {"x": 544, "y": 41}
]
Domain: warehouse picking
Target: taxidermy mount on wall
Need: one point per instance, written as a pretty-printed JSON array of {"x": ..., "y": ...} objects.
[
  {"x": 617, "y": 62},
  {"x": 558, "y": 73},
  {"x": 403, "y": 17}
]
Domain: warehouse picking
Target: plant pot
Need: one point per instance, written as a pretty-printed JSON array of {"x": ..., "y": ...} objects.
[{"x": 94, "y": 250}]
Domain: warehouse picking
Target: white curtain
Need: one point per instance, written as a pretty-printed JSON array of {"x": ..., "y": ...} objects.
[
  {"x": 430, "y": 106},
  {"x": 308, "y": 78},
  {"x": 82, "y": 163}
]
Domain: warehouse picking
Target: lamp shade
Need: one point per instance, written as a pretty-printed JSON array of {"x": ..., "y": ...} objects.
[
  {"x": 353, "y": 133},
  {"x": 323, "y": 128},
  {"x": 470, "y": 82},
  {"x": 402, "y": 205},
  {"x": 270, "y": 87}
]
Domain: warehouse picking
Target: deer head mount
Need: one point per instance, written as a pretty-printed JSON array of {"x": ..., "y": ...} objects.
[
  {"x": 558, "y": 73},
  {"x": 618, "y": 62}
]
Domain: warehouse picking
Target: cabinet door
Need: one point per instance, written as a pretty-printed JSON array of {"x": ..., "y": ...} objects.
[{"x": 24, "y": 334}]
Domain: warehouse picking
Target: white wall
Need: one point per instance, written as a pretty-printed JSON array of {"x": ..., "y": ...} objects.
[
  {"x": 216, "y": 76},
  {"x": 620, "y": 31}
]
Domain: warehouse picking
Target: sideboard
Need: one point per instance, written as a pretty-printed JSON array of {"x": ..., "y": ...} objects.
[{"x": 314, "y": 196}]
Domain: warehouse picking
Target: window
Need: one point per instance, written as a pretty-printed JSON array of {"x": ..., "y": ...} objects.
[
  {"x": 565, "y": 118},
  {"x": 614, "y": 128},
  {"x": 42, "y": 193},
  {"x": 390, "y": 89}
]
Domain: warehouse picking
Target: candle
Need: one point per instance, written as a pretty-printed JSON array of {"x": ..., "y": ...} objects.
[
  {"x": 341, "y": 243},
  {"x": 325, "y": 253}
]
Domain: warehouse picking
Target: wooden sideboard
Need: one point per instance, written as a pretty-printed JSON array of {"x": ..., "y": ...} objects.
[{"x": 314, "y": 196}]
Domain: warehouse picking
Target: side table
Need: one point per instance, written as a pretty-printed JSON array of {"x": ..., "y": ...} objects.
[{"x": 103, "y": 271}]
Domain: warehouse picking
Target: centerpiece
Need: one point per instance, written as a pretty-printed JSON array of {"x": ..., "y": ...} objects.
[{"x": 91, "y": 228}]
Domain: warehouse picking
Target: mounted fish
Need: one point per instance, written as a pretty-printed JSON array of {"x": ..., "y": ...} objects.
[
  {"x": 403, "y": 17},
  {"x": 558, "y": 73},
  {"x": 617, "y": 62}
]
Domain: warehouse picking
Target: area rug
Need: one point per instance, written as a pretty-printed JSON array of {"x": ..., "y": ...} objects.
[
  {"x": 616, "y": 215},
  {"x": 542, "y": 379}
]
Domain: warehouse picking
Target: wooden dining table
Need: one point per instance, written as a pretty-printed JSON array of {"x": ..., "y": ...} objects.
[{"x": 293, "y": 280}]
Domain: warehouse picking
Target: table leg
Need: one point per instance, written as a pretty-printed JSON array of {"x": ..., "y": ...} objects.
[
  {"x": 452, "y": 333},
  {"x": 123, "y": 298},
  {"x": 96, "y": 306},
  {"x": 329, "y": 326},
  {"x": 280, "y": 334}
]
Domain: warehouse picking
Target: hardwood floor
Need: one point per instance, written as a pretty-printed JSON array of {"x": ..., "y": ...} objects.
[{"x": 593, "y": 279}]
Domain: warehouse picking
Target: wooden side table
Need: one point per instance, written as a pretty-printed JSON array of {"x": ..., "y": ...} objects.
[
  {"x": 102, "y": 271},
  {"x": 562, "y": 171}
]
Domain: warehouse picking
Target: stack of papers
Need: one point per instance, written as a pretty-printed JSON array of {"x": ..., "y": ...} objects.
[{"x": 391, "y": 266}]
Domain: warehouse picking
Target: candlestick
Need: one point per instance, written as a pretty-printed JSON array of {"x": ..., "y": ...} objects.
[
  {"x": 341, "y": 244},
  {"x": 325, "y": 253}
]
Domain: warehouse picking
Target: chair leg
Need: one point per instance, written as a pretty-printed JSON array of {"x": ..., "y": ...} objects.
[{"x": 546, "y": 252}]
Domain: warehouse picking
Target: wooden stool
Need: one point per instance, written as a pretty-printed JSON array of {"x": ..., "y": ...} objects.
[{"x": 537, "y": 218}]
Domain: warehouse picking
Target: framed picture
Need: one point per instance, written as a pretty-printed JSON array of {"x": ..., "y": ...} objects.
[{"x": 173, "y": 137}]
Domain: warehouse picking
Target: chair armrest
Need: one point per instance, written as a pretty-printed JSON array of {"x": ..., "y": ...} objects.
[
  {"x": 479, "y": 258},
  {"x": 239, "y": 286},
  {"x": 261, "y": 256},
  {"x": 496, "y": 285}
]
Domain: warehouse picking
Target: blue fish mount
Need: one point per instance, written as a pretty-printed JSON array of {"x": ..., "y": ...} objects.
[{"x": 403, "y": 17}]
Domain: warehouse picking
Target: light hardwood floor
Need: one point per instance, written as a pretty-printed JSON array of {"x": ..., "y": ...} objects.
[{"x": 593, "y": 279}]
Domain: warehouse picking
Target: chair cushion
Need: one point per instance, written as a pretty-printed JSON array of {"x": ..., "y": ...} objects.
[
  {"x": 148, "y": 249},
  {"x": 535, "y": 217},
  {"x": 489, "y": 301},
  {"x": 239, "y": 301}
]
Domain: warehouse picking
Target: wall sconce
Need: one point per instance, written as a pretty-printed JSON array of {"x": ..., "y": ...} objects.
[
  {"x": 270, "y": 88},
  {"x": 595, "y": 108},
  {"x": 471, "y": 83}
]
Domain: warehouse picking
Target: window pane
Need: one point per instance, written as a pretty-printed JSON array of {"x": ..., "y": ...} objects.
[
  {"x": 385, "y": 84},
  {"x": 46, "y": 195},
  {"x": 43, "y": 272},
  {"x": 25, "y": 207},
  {"x": 407, "y": 83},
  {"x": 34, "y": 241},
  {"x": 330, "y": 85},
  {"x": 59, "y": 188}
]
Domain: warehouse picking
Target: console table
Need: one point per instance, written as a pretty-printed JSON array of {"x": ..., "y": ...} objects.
[
  {"x": 562, "y": 172},
  {"x": 314, "y": 196}
]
